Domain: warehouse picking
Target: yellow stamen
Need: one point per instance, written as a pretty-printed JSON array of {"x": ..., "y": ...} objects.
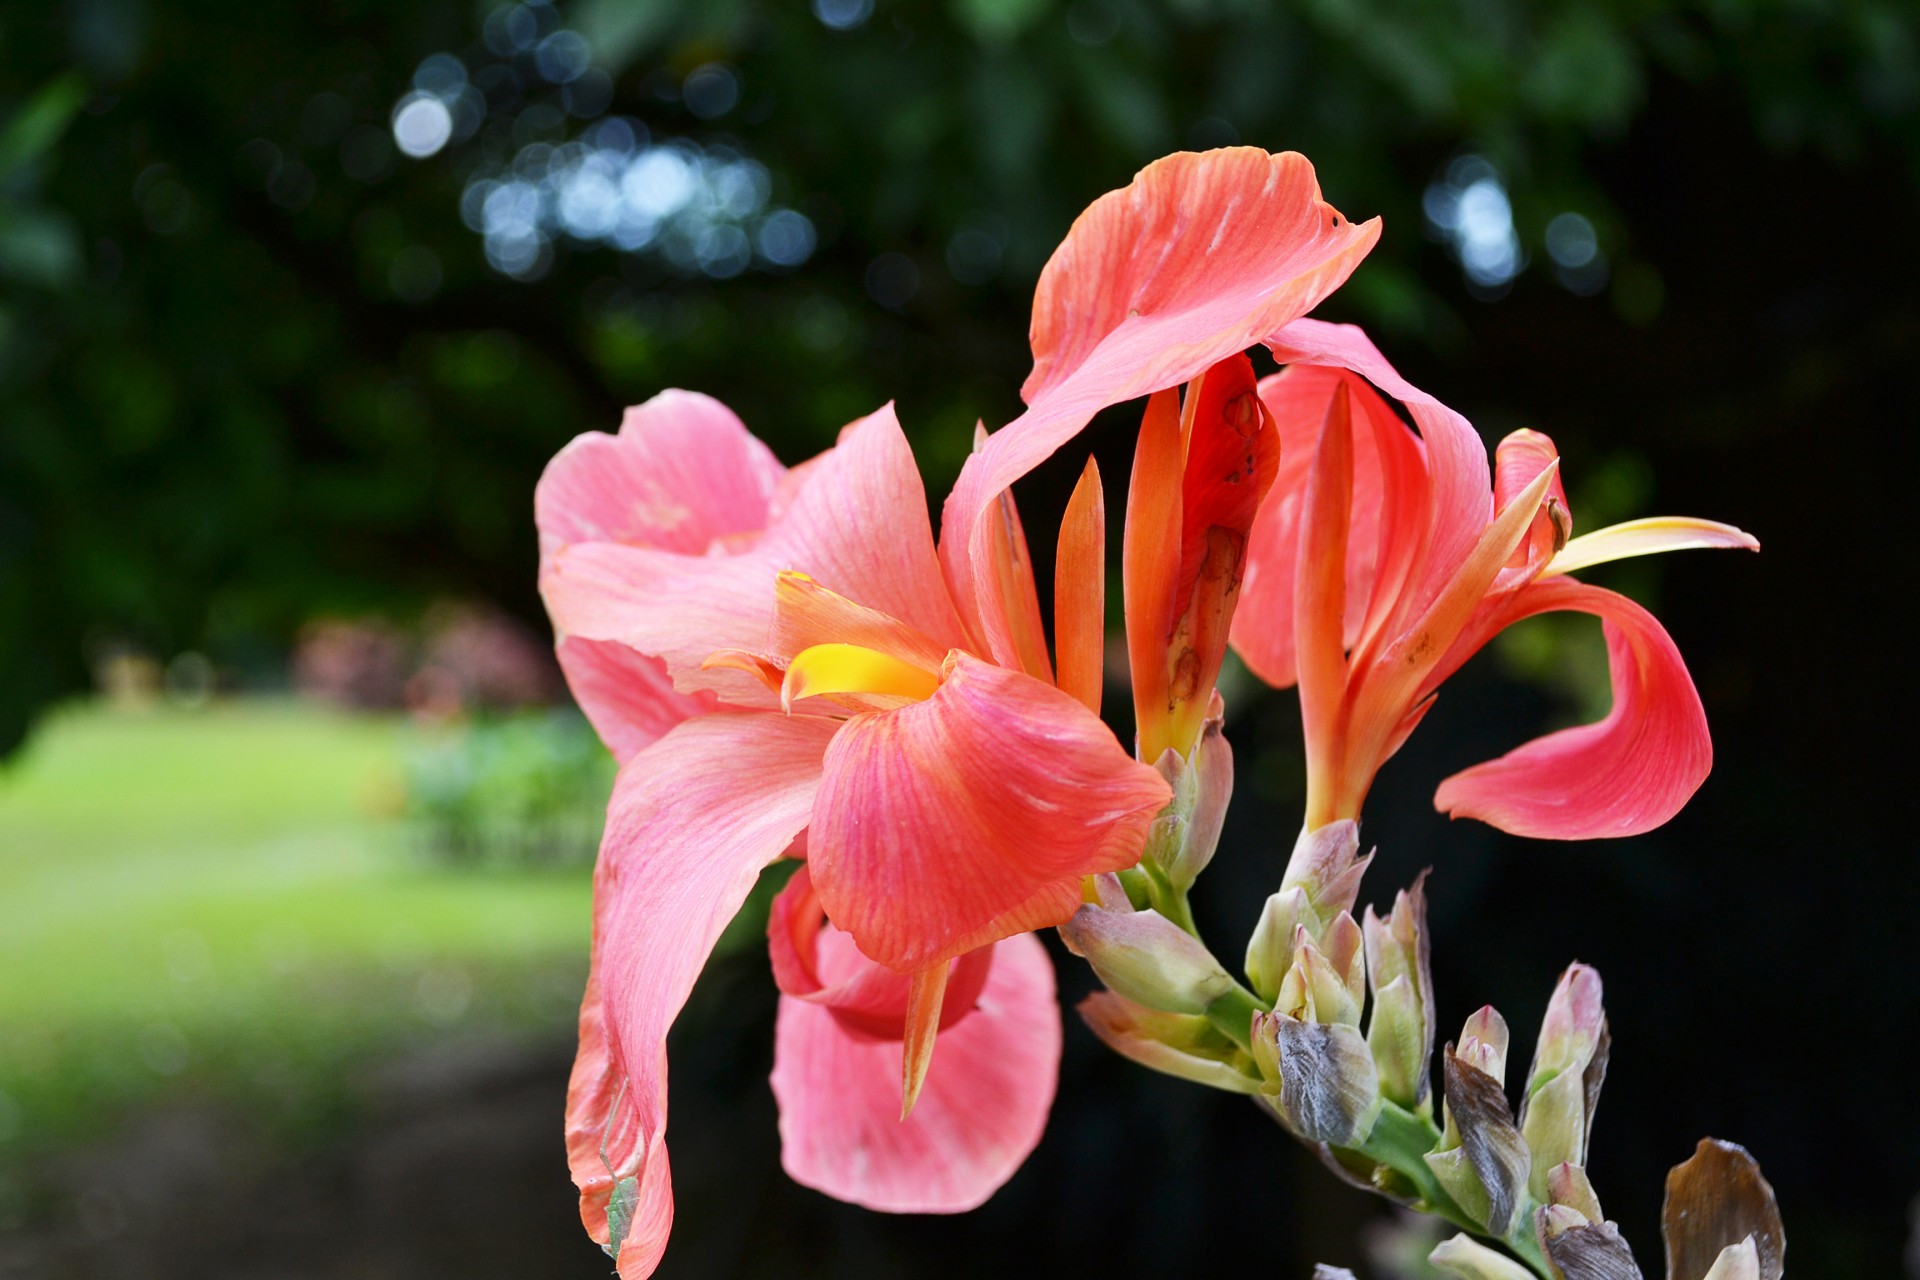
[{"x": 850, "y": 668}]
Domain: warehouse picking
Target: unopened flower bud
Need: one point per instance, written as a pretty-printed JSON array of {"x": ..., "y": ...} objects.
[
  {"x": 1569, "y": 1064},
  {"x": 1270, "y": 950},
  {"x": 1467, "y": 1258},
  {"x": 1327, "y": 982},
  {"x": 1326, "y": 862},
  {"x": 1183, "y": 838},
  {"x": 1328, "y": 1090},
  {"x": 1567, "y": 1185},
  {"x": 1481, "y": 1160},
  {"x": 1483, "y": 1043},
  {"x": 1400, "y": 1031},
  {"x": 1146, "y": 958},
  {"x": 1178, "y": 1044}
]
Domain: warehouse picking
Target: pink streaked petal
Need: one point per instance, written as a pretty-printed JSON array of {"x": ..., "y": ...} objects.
[
  {"x": 1460, "y": 495},
  {"x": 1320, "y": 600},
  {"x": 628, "y": 696},
  {"x": 981, "y": 1110},
  {"x": 692, "y": 821},
  {"x": 1624, "y": 775},
  {"x": 677, "y": 608},
  {"x": 1388, "y": 515},
  {"x": 868, "y": 998},
  {"x": 1199, "y": 258},
  {"x": 683, "y": 473},
  {"x": 1647, "y": 537},
  {"x": 971, "y": 816},
  {"x": 859, "y": 528}
]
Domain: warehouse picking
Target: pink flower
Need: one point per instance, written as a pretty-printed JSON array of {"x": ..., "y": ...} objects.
[
  {"x": 1383, "y": 560},
  {"x": 1202, "y": 256},
  {"x": 777, "y": 654}
]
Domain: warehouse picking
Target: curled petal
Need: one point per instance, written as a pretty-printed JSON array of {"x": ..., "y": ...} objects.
[
  {"x": 1624, "y": 775},
  {"x": 1522, "y": 456},
  {"x": 628, "y": 696},
  {"x": 971, "y": 816},
  {"x": 692, "y": 821},
  {"x": 682, "y": 474},
  {"x": 1645, "y": 538},
  {"x": 1197, "y": 259},
  {"x": 1387, "y": 518},
  {"x": 981, "y": 1109},
  {"x": 813, "y": 962},
  {"x": 1459, "y": 487}
]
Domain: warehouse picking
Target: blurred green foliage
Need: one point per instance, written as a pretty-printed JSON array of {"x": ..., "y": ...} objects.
[
  {"x": 253, "y": 367},
  {"x": 221, "y": 901},
  {"x": 528, "y": 790}
]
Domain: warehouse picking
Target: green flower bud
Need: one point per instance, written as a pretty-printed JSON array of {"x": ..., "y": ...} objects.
[
  {"x": 1146, "y": 958},
  {"x": 1178, "y": 1044},
  {"x": 1400, "y": 1032}
]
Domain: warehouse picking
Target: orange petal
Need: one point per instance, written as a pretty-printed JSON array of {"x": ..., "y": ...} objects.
[
  {"x": 925, "y": 1000},
  {"x": 1626, "y": 774},
  {"x": 1150, "y": 568},
  {"x": 1232, "y": 454},
  {"x": 1320, "y": 605},
  {"x": 1015, "y": 632},
  {"x": 1080, "y": 591}
]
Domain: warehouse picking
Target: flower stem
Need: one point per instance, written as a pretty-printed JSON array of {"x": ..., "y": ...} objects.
[{"x": 1401, "y": 1140}]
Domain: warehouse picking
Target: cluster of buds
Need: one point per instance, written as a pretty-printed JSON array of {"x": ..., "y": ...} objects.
[{"x": 1292, "y": 1039}]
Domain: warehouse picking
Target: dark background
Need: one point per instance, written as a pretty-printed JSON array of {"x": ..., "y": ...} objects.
[{"x": 254, "y": 369}]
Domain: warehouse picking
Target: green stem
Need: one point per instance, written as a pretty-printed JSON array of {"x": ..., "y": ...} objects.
[
  {"x": 1232, "y": 1012},
  {"x": 1401, "y": 1140}
]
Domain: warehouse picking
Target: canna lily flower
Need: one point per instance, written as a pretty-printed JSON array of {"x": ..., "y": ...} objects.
[
  {"x": 1383, "y": 560},
  {"x": 779, "y": 661},
  {"x": 1202, "y": 256}
]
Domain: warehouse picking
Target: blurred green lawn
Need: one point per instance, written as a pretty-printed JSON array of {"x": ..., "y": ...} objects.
[{"x": 219, "y": 902}]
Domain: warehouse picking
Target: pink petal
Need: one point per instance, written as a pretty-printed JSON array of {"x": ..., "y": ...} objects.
[
  {"x": 858, "y": 526},
  {"x": 1624, "y": 775},
  {"x": 692, "y": 821},
  {"x": 628, "y": 696},
  {"x": 1388, "y": 516},
  {"x": 867, "y": 998},
  {"x": 947, "y": 824},
  {"x": 981, "y": 1110},
  {"x": 1199, "y": 258},
  {"x": 682, "y": 473},
  {"x": 1460, "y": 499},
  {"x": 677, "y": 608},
  {"x": 1521, "y": 456}
]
